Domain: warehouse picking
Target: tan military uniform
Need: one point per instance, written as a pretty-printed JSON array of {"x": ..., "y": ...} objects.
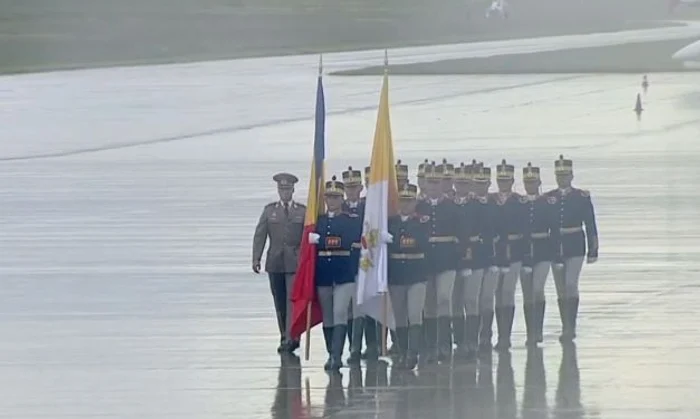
[{"x": 284, "y": 231}]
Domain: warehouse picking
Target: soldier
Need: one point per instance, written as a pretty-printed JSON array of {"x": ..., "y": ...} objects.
[
  {"x": 401, "y": 175},
  {"x": 407, "y": 275},
  {"x": 462, "y": 199},
  {"x": 511, "y": 225},
  {"x": 335, "y": 277},
  {"x": 575, "y": 211},
  {"x": 542, "y": 226},
  {"x": 486, "y": 253},
  {"x": 447, "y": 183},
  {"x": 358, "y": 324},
  {"x": 444, "y": 219},
  {"x": 283, "y": 222},
  {"x": 421, "y": 180}
]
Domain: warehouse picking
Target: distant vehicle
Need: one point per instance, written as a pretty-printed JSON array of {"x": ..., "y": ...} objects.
[
  {"x": 673, "y": 4},
  {"x": 689, "y": 55}
]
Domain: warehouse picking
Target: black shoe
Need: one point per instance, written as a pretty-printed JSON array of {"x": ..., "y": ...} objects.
[
  {"x": 292, "y": 346},
  {"x": 338, "y": 344}
]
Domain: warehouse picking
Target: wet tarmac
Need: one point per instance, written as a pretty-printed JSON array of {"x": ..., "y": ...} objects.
[{"x": 126, "y": 287}]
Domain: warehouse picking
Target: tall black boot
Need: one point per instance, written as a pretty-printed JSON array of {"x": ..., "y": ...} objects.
[
  {"x": 350, "y": 335},
  {"x": 429, "y": 354},
  {"x": 328, "y": 339},
  {"x": 573, "y": 315},
  {"x": 505, "y": 327},
  {"x": 538, "y": 319},
  {"x": 401, "y": 345},
  {"x": 338, "y": 344},
  {"x": 394, "y": 339},
  {"x": 372, "y": 340},
  {"x": 458, "y": 328},
  {"x": 486, "y": 331},
  {"x": 415, "y": 339},
  {"x": 356, "y": 341},
  {"x": 472, "y": 336},
  {"x": 444, "y": 338},
  {"x": 564, "y": 315},
  {"x": 530, "y": 324}
]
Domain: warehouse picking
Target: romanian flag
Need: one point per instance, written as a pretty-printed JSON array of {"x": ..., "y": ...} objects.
[
  {"x": 382, "y": 201},
  {"x": 304, "y": 291}
]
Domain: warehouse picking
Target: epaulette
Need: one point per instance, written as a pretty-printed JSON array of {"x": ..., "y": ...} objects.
[
  {"x": 585, "y": 193},
  {"x": 300, "y": 205},
  {"x": 271, "y": 204}
]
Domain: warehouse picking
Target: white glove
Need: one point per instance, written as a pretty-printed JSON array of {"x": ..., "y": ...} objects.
[
  {"x": 386, "y": 237},
  {"x": 592, "y": 259},
  {"x": 505, "y": 270},
  {"x": 466, "y": 272},
  {"x": 527, "y": 270},
  {"x": 494, "y": 269},
  {"x": 314, "y": 238}
]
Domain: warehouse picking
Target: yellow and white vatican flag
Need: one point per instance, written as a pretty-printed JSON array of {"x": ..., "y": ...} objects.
[{"x": 381, "y": 202}]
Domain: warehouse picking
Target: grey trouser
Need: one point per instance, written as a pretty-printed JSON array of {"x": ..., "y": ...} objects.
[
  {"x": 533, "y": 282},
  {"x": 566, "y": 276},
  {"x": 281, "y": 288},
  {"x": 489, "y": 283},
  {"x": 408, "y": 302},
  {"x": 438, "y": 294},
  {"x": 471, "y": 290},
  {"x": 507, "y": 282},
  {"x": 335, "y": 301}
]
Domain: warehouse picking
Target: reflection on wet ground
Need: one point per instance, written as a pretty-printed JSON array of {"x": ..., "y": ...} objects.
[{"x": 483, "y": 389}]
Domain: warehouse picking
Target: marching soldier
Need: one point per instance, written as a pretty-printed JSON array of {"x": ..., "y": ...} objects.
[
  {"x": 335, "y": 270},
  {"x": 444, "y": 220},
  {"x": 575, "y": 211},
  {"x": 283, "y": 222},
  {"x": 407, "y": 277},
  {"x": 542, "y": 226},
  {"x": 462, "y": 198},
  {"x": 358, "y": 325},
  {"x": 511, "y": 225},
  {"x": 489, "y": 239}
]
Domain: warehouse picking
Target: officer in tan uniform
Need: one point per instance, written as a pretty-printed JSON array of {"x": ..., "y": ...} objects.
[{"x": 283, "y": 222}]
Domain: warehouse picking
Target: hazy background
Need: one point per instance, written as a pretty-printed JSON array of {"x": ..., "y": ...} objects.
[{"x": 43, "y": 34}]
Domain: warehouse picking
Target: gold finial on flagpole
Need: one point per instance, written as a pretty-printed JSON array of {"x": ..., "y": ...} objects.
[
  {"x": 386, "y": 61},
  {"x": 320, "y": 64}
]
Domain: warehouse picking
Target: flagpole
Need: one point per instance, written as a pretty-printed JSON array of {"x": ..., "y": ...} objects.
[
  {"x": 307, "y": 345},
  {"x": 385, "y": 303}
]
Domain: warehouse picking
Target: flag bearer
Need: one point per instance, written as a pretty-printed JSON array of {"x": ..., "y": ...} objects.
[
  {"x": 575, "y": 211},
  {"x": 487, "y": 244},
  {"x": 355, "y": 205},
  {"x": 370, "y": 325},
  {"x": 335, "y": 272},
  {"x": 542, "y": 226},
  {"x": 283, "y": 222},
  {"x": 511, "y": 225},
  {"x": 407, "y": 263},
  {"x": 443, "y": 222}
]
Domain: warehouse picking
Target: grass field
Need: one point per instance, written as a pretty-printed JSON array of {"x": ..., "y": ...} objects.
[{"x": 37, "y": 35}]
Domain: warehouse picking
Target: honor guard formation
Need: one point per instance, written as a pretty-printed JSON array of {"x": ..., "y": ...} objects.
[{"x": 456, "y": 251}]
